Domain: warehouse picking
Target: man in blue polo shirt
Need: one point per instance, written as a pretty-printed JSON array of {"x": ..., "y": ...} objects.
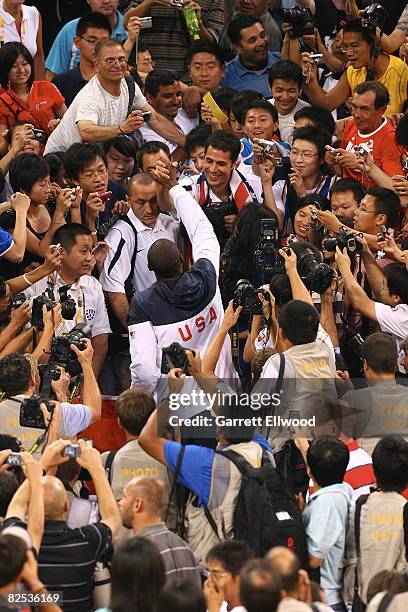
[
  {"x": 250, "y": 68},
  {"x": 64, "y": 54}
]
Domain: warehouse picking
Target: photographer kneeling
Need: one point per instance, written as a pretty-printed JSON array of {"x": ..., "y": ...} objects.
[{"x": 17, "y": 384}]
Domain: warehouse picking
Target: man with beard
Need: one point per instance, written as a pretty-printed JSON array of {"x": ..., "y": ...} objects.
[{"x": 250, "y": 68}]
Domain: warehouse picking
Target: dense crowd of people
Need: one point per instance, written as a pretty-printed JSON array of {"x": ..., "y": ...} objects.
[{"x": 203, "y": 223}]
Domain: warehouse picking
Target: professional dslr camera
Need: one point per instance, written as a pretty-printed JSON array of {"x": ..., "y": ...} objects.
[
  {"x": 174, "y": 356},
  {"x": 68, "y": 307},
  {"x": 30, "y": 412},
  {"x": 246, "y": 295},
  {"x": 300, "y": 18},
  {"x": 346, "y": 239},
  {"x": 17, "y": 300},
  {"x": 316, "y": 275},
  {"x": 215, "y": 213},
  {"x": 373, "y": 18},
  {"x": 61, "y": 353},
  {"x": 266, "y": 256}
]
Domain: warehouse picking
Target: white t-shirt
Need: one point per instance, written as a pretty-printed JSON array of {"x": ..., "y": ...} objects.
[
  {"x": 182, "y": 120},
  {"x": 93, "y": 103},
  {"x": 29, "y": 27},
  {"x": 394, "y": 321},
  {"x": 88, "y": 295},
  {"x": 287, "y": 122},
  {"x": 121, "y": 240}
]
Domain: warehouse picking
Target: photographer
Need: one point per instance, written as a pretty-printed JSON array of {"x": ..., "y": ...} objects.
[
  {"x": 17, "y": 384},
  {"x": 183, "y": 307},
  {"x": 84, "y": 302}
]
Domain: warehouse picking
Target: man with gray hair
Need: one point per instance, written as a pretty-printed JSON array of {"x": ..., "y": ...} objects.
[{"x": 142, "y": 506}]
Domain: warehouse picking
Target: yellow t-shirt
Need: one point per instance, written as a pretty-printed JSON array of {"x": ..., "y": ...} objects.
[{"x": 395, "y": 79}]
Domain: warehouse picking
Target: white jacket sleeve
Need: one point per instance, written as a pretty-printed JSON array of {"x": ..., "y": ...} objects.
[
  {"x": 116, "y": 267},
  {"x": 144, "y": 356},
  {"x": 199, "y": 229}
]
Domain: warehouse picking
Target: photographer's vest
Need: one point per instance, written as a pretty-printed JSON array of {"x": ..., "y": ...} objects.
[
  {"x": 225, "y": 486},
  {"x": 10, "y": 424}
]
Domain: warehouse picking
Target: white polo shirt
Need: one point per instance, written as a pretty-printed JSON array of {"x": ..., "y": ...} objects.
[
  {"x": 182, "y": 120},
  {"x": 88, "y": 295},
  {"x": 121, "y": 240}
]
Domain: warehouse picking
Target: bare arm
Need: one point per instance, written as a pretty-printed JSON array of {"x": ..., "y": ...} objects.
[
  {"x": 149, "y": 441},
  {"x": 120, "y": 306},
  {"x": 375, "y": 275},
  {"x": 91, "y": 132},
  {"x": 91, "y": 395},
  {"x": 20, "y": 203},
  {"x": 164, "y": 127},
  {"x": 299, "y": 290},
  {"x": 39, "y": 59},
  {"x": 355, "y": 292},
  {"x": 100, "y": 346},
  {"x": 327, "y": 317},
  {"x": 18, "y": 344},
  {"x": 212, "y": 355},
  {"x": 141, "y": 10},
  {"x": 329, "y": 100},
  {"x": 391, "y": 42}
]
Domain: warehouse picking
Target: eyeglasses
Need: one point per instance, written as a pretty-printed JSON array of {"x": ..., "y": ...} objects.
[
  {"x": 303, "y": 154},
  {"x": 112, "y": 60},
  {"x": 365, "y": 210},
  {"x": 353, "y": 47},
  {"x": 93, "y": 41},
  {"x": 216, "y": 573},
  {"x": 146, "y": 63}
]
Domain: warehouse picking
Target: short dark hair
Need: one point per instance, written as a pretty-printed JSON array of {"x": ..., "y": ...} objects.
[
  {"x": 93, "y": 20},
  {"x": 387, "y": 202},
  {"x": 390, "y": 463},
  {"x": 327, "y": 458},
  {"x": 15, "y": 374},
  {"x": 56, "y": 161},
  {"x": 401, "y": 134},
  {"x": 163, "y": 258},
  {"x": 8, "y": 55},
  {"x": 287, "y": 71},
  {"x": 153, "y": 146},
  {"x": 299, "y": 321},
  {"x": 265, "y": 105},
  {"x": 380, "y": 352},
  {"x": 223, "y": 141},
  {"x": 260, "y": 587},
  {"x": 79, "y": 156},
  {"x": 197, "y": 137},
  {"x": 25, "y": 170},
  {"x": 124, "y": 144},
  {"x": 346, "y": 184},
  {"x": 356, "y": 25},
  {"x": 157, "y": 79},
  {"x": 241, "y": 100},
  {"x": 13, "y": 555},
  {"x": 66, "y": 235},
  {"x": 397, "y": 280},
  {"x": 382, "y": 97},
  {"x": 240, "y": 23},
  {"x": 320, "y": 117},
  {"x": 204, "y": 46},
  {"x": 181, "y": 595},
  {"x": 133, "y": 408},
  {"x": 223, "y": 97},
  {"x": 318, "y": 138},
  {"x": 233, "y": 554},
  {"x": 8, "y": 486}
]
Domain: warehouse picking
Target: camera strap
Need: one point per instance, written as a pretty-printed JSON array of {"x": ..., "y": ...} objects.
[{"x": 234, "y": 335}]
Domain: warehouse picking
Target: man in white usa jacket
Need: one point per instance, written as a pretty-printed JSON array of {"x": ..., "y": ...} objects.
[{"x": 184, "y": 307}]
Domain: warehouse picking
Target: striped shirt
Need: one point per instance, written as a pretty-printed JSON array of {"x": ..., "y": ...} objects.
[
  {"x": 178, "y": 559},
  {"x": 67, "y": 559},
  {"x": 359, "y": 473}
]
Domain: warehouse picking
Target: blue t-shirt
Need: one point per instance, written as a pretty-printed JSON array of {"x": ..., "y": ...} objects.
[
  {"x": 64, "y": 55},
  {"x": 6, "y": 242},
  {"x": 197, "y": 465},
  {"x": 238, "y": 77}
]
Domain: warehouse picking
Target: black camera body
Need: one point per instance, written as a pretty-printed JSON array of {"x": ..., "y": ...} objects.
[
  {"x": 39, "y": 135},
  {"x": 68, "y": 307},
  {"x": 373, "y": 18},
  {"x": 30, "y": 412},
  {"x": 300, "y": 18},
  {"x": 267, "y": 259},
  {"x": 174, "y": 356},
  {"x": 63, "y": 355},
  {"x": 345, "y": 239},
  {"x": 316, "y": 275},
  {"x": 17, "y": 300},
  {"x": 246, "y": 295},
  {"x": 215, "y": 213}
]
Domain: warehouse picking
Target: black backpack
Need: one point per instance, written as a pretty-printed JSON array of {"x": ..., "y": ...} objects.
[{"x": 266, "y": 513}]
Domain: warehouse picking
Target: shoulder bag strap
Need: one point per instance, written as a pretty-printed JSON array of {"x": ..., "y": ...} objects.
[
  {"x": 108, "y": 465},
  {"x": 131, "y": 85},
  {"x": 357, "y": 516},
  {"x": 176, "y": 475}
]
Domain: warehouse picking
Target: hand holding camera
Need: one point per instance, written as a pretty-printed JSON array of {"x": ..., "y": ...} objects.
[
  {"x": 84, "y": 355},
  {"x": 290, "y": 258},
  {"x": 342, "y": 260},
  {"x": 60, "y": 386},
  {"x": 21, "y": 315},
  {"x": 88, "y": 457},
  {"x": 64, "y": 201},
  {"x": 309, "y": 68},
  {"x": 132, "y": 123},
  {"x": 94, "y": 205},
  {"x": 53, "y": 454},
  {"x": 53, "y": 259},
  {"x": 176, "y": 378},
  {"x": 135, "y": 24}
]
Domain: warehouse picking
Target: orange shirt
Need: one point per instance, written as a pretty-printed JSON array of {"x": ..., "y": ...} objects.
[
  {"x": 383, "y": 147},
  {"x": 43, "y": 100}
]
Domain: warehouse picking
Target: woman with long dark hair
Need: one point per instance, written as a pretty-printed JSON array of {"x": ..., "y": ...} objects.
[{"x": 38, "y": 103}]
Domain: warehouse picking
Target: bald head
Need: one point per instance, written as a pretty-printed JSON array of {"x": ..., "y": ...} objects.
[
  {"x": 141, "y": 178},
  {"x": 286, "y": 565},
  {"x": 55, "y": 498},
  {"x": 152, "y": 491},
  {"x": 164, "y": 259}
]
